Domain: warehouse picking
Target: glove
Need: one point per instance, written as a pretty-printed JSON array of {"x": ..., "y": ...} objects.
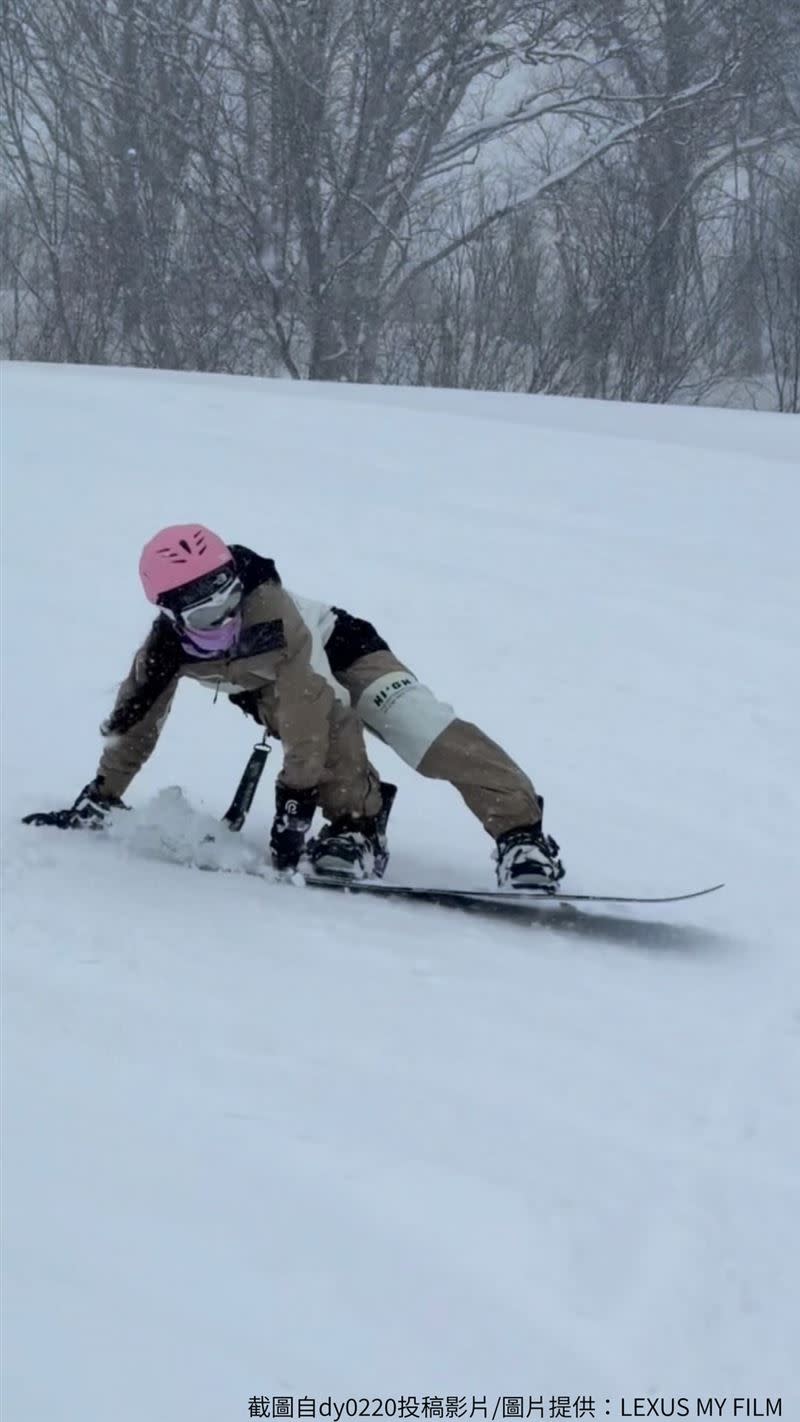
[
  {"x": 90, "y": 810},
  {"x": 294, "y": 811}
]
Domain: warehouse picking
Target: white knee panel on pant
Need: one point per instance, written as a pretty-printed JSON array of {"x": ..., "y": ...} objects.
[{"x": 405, "y": 714}]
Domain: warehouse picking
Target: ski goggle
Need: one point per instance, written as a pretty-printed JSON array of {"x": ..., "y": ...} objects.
[{"x": 206, "y": 603}]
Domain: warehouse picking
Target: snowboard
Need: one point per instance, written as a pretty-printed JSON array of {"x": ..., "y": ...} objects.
[
  {"x": 189, "y": 850},
  {"x": 511, "y": 900}
]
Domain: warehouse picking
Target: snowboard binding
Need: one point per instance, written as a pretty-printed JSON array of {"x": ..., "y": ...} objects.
[{"x": 374, "y": 851}]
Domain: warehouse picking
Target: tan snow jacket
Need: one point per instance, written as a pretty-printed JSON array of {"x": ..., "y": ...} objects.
[{"x": 322, "y": 739}]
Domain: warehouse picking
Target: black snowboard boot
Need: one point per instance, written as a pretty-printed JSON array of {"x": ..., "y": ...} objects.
[{"x": 526, "y": 858}]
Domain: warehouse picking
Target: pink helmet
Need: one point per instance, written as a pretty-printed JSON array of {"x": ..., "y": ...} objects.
[{"x": 179, "y": 555}]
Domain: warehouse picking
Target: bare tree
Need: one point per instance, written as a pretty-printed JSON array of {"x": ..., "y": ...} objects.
[
  {"x": 778, "y": 299},
  {"x": 579, "y": 195},
  {"x": 102, "y": 107},
  {"x": 376, "y": 120}
]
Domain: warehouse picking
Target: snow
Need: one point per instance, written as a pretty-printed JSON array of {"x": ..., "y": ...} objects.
[{"x": 261, "y": 1141}]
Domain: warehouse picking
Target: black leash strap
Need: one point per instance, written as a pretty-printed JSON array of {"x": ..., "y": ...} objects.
[{"x": 239, "y": 808}]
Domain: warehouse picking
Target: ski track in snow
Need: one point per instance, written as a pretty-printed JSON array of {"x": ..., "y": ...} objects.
[{"x": 259, "y": 1140}]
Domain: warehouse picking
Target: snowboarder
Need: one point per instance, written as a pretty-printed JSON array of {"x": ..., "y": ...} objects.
[{"x": 313, "y": 675}]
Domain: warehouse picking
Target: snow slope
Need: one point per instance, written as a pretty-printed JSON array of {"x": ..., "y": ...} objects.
[{"x": 260, "y": 1141}]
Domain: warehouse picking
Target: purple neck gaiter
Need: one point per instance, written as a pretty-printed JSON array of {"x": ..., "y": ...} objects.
[{"x": 213, "y": 643}]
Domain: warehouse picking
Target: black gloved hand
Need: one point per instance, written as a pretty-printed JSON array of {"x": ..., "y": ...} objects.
[
  {"x": 294, "y": 811},
  {"x": 89, "y": 811}
]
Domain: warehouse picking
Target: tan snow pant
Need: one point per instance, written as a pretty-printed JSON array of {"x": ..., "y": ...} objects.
[
  {"x": 429, "y": 736},
  {"x": 349, "y": 785}
]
